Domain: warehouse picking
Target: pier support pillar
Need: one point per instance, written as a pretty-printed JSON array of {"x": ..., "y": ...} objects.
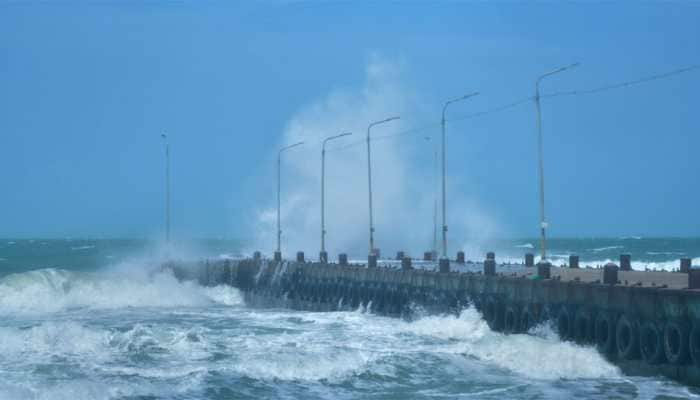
[
  {"x": 278, "y": 256},
  {"x": 428, "y": 256},
  {"x": 400, "y": 255},
  {"x": 300, "y": 256},
  {"x": 544, "y": 269},
  {"x": 491, "y": 256},
  {"x": 489, "y": 266},
  {"x": 625, "y": 262},
  {"x": 323, "y": 257},
  {"x": 529, "y": 260},
  {"x": 444, "y": 265},
  {"x": 406, "y": 263},
  {"x": 460, "y": 257},
  {"x": 685, "y": 265},
  {"x": 573, "y": 262},
  {"x": 343, "y": 259},
  {"x": 257, "y": 256},
  {"x": 610, "y": 274},
  {"x": 372, "y": 261}
]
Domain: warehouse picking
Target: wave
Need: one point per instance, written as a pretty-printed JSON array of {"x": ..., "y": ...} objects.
[
  {"x": 53, "y": 290},
  {"x": 599, "y": 249},
  {"x": 537, "y": 357},
  {"x": 340, "y": 346},
  {"x": 78, "y": 248},
  {"x": 526, "y": 246}
]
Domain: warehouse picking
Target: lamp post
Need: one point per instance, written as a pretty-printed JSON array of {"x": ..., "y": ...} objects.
[
  {"x": 167, "y": 192},
  {"x": 543, "y": 223},
  {"x": 323, "y": 256},
  {"x": 372, "y": 250},
  {"x": 278, "y": 253},
  {"x": 433, "y": 249},
  {"x": 444, "y": 261}
]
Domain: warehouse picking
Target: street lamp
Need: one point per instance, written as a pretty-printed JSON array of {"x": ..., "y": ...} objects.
[
  {"x": 167, "y": 190},
  {"x": 278, "y": 253},
  {"x": 543, "y": 223},
  {"x": 444, "y": 261},
  {"x": 372, "y": 250},
  {"x": 323, "y": 256},
  {"x": 433, "y": 250}
]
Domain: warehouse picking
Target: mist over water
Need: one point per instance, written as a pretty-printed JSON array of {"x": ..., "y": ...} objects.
[{"x": 404, "y": 173}]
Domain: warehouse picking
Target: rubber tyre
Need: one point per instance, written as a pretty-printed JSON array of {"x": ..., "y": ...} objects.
[
  {"x": 627, "y": 338},
  {"x": 651, "y": 343},
  {"x": 583, "y": 326},
  {"x": 565, "y": 323},
  {"x": 676, "y": 341},
  {"x": 605, "y": 332},
  {"x": 493, "y": 313},
  {"x": 511, "y": 319},
  {"x": 526, "y": 320},
  {"x": 694, "y": 344}
]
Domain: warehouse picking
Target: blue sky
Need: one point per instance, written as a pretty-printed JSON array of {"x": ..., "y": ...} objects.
[{"x": 86, "y": 88}]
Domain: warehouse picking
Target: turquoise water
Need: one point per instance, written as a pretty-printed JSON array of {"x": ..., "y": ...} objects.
[{"x": 97, "y": 319}]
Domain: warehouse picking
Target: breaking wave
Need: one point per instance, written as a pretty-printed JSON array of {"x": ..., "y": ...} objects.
[{"x": 52, "y": 290}]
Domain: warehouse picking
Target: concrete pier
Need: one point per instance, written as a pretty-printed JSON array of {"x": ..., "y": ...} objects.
[{"x": 645, "y": 322}]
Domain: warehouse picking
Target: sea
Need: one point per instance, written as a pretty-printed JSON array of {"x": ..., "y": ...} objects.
[{"x": 99, "y": 319}]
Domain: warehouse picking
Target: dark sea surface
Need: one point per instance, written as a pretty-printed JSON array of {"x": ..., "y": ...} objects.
[{"x": 98, "y": 319}]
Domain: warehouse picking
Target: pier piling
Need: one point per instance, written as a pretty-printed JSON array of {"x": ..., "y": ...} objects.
[
  {"x": 610, "y": 274},
  {"x": 529, "y": 260},
  {"x": 573, "y": 262},
  {"x": 625, "y": 262}
]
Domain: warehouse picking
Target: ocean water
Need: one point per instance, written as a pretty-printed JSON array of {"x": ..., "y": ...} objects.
[{"x": 97, "y": 319}]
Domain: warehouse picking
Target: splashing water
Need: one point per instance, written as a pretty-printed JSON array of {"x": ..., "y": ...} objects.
[{"x": 136, "y": 332}]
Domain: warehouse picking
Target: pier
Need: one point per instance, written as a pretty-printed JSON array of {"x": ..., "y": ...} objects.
[{"x": 646, "y": 322}]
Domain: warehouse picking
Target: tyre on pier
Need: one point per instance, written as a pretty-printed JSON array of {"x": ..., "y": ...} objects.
[
  {"x": 565, "y": 322},
  {"x": 527, "y": 319},
  {"x": 676, "y": 342},
  {"x": 511, "y": 319},
  {"x": 694, "y": 343},
  {"x": 627, "y": 337},
  {"x": 651, "y": 342},
  {"x": 493, "y": 311},
  {"x": 605, "y": 325},
  {"x": 584, "y": 324}
]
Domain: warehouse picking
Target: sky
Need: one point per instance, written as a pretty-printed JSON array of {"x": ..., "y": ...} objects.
[{"x": 87, "y": 88}]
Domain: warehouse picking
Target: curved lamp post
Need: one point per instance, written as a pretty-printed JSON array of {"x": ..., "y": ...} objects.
[
  {"x": 278, "y": 252},
  {"x": 372, "y": 249},
  {"x": 323, "y": 256},
  {"x": 543, "y": 223},
  {"x": 445, "y": 260}
]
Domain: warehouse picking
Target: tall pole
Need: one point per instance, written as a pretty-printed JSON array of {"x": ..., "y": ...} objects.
[
  {"x": 540, "y": 156},
  {"x": 323, "y": 189},
  {"x": 369, "y": 180},
  {"x": 435, "y": 201},
  {"x": 444, "y": 200},
  {"x": 167, "y": 189},
  {"x": 433, "y": 185},
  {"x": 279, "y": 186}
]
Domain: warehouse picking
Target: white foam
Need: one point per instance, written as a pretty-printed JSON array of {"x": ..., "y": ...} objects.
[
  {"x": 53, "y": 290},
  {"x": 537, "y": 357},
  {"x": 599, "y": 249},
  {"x": 78, "y": 248}
]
